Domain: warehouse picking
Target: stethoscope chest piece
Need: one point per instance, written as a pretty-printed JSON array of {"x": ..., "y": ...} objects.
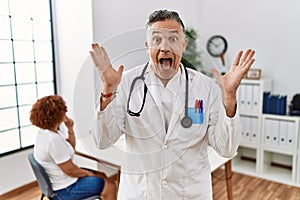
[{"x": 186, "y": 122}]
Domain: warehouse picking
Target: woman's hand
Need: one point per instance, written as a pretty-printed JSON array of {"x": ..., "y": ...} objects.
[
  {"x": 231, "y": 80},
  {"x": 109, "y": 76},
  {"x": 68, "y": 122},
  {"x": 71, "y": 135}
]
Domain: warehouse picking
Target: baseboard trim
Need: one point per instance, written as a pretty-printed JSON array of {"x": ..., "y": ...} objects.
[{"x": 18, "y": 190}]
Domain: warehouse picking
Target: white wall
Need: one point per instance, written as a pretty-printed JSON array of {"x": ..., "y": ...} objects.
[
  {"x": 269, "y": 27},
  {"x": 73, "y": 38},
  {"x": 120, "y": 25},
  {"x": 15, "y": 171}
]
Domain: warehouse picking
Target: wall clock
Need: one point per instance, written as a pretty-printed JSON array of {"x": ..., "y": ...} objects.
[{"x": 217, "y": 46}]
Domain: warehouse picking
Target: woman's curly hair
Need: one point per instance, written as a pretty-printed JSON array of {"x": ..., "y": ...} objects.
[{"x": 48, "y": 112}]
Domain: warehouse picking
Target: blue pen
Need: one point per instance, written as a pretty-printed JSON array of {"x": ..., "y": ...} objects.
[{"x": 201, "y": 106}]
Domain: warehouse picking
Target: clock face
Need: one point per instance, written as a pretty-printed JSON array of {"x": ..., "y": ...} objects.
[{"x": 216, "y": 45}]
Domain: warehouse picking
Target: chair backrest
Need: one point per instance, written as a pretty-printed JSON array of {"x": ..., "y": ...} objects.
[
  {"x": 41, "y": 176},
  {"x": 43, "y": 179}
]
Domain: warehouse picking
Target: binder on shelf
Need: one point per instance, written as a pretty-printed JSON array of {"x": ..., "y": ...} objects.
[
  {"x": 247, "y": 128},
  {"x": 291, "y": 126},
  {"x": 282, "y": 133},
  {"x": 255, "y": 97},
  {"x": 266, "y": 102},
  {"x": 274, "y": 104},
  {"x": 249, "y": 99},
  {"x": 242, "y": 96},
  {"x": 281, "y": 105},
  {"x": 267, "y": 131},
  {"x": 274, "y": 132},
  {"x": 254, "y": 129}
]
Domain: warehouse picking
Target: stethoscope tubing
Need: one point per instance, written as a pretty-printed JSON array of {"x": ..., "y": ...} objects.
[{"x": 186, "y": 121}]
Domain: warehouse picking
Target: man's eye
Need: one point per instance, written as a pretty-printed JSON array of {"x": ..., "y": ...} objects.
[
  {"x": 156, "y": 40},
  {"x": 173, "y": 39}
]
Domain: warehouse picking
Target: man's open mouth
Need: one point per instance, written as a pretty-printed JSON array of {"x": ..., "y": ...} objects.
[{"x": 166, "y": 62}]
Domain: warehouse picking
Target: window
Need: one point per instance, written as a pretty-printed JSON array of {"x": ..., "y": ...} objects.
[{"x": 26, "y": 68}]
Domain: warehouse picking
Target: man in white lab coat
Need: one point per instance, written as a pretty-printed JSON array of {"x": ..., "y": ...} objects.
[{"x": 169, "y": 115}]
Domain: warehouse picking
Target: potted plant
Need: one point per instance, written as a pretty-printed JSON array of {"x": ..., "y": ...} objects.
[{"x": 191, "y": 58}]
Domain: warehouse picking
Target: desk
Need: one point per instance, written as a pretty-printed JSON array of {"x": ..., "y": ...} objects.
[{"x": 114, "y": 155}]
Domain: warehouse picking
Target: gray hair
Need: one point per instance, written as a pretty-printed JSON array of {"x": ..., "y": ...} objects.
[{"x": 161, "y": 15}]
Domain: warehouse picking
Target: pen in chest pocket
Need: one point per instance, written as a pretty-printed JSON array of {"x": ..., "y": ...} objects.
[
  {"x": 197, "y": 106},
  {"x": 201, "y": 106}
]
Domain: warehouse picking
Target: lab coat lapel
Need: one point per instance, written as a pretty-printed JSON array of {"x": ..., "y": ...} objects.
[
  {"x": 154, "y": 90},
  {"x": 153, "y": 86},
  {"x": 179, "y": 105}
]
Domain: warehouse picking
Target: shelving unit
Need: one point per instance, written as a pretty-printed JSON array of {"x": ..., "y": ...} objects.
[{"x": 269, "y": 148}]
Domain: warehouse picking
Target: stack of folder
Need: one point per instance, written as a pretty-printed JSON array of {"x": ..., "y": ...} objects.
[
  {"x": 280, "y": 133},
  {"x": 274, "y": 104}
]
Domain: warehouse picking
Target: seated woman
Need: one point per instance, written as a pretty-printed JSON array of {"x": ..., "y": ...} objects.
[{"x": 55, "y": 154}]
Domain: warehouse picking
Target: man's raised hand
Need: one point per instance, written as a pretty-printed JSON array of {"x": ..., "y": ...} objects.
[{"x": 109, "y": 76}]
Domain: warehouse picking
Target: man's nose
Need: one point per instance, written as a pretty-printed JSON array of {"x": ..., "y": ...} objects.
[{"x": 165, "y": 46}]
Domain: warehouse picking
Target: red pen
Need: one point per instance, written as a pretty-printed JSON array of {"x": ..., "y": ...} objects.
[{"x": 197, "y": 106}]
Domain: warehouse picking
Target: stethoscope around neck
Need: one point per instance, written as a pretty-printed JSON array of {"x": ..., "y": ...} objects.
[{"x": 186, "y": 121}]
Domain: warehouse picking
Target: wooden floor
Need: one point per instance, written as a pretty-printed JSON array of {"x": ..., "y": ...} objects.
[
  {"x": 251, "y": 188},
  {"x": 244, "y": 188}
]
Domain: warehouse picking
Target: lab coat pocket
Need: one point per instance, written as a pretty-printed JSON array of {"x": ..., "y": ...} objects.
[
  {"x": 132, "y": 186},
  {"x": 196, "y": 115},
  {"x": 197, "y": 184}
]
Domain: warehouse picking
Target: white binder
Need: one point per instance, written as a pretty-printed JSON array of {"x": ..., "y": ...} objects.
[
  {"x": 243, "y": 97},
  {"x": 291, "y": 134},
  {"x": 255, "y": 97},
  {"x": 274, "y": 132},
  {"x": 243, "y": 123},
  {"x": 247, "y": 128},
  {"x": 249, "y": 99},
  {"x": 282, "y": 133},
  {"x": 254, "y": 129},
  {"x": 267, "y": 131}
]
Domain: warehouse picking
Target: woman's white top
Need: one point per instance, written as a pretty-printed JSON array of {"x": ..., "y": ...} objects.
[{"x": 51, "y": 149}]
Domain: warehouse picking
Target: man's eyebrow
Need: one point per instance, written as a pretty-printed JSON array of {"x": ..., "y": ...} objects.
[
  {"x": 155, "y": 32},
  {"x": 174, "y": 31},
  {"x": 171, "y": 31}
]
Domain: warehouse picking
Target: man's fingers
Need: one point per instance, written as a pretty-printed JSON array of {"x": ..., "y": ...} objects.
[
  {"x": 247, "y": 57},
  {"x": 96, "y": 49},
  {"x": 250, "y": 63},
  {"x": 120, "y": 70},
  {"x": 104, "y": 54},
  {"x": 237, "y": 58}
]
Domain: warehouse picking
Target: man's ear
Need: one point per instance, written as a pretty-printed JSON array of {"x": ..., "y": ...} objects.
[
  {"x": 146, "y": 44},
  {"x": 185, "y": 43}
]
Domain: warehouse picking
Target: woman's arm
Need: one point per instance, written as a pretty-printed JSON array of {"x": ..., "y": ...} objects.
[{"x": 73, "y": 170}]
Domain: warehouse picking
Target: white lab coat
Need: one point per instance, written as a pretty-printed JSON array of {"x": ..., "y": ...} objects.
[{"x": 172, "y": 164}]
